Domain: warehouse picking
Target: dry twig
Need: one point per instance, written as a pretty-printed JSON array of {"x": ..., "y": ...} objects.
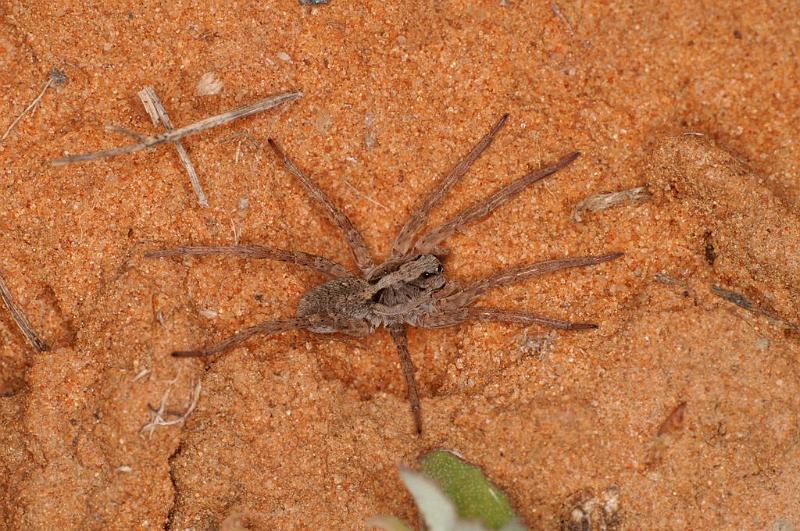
[
  {"x": 56, "y": 77},
  {"x": 19, "y": 318},
  {"x": 556, "y": 9},
  {"x": 177, "y": 134},
  {"x": 743, "y": 302},
  {"x": 152, "y": 104}
]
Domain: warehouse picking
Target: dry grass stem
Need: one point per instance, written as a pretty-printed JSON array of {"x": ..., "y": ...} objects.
[
  {"x": 596, "y": 203},
  {"x": 556, "y": 9},
  {"x": 362, "y": 195},
  {"x": 143, "y": 373},
  {"x": 164, "y": 417},
  {"x": 56, "y": 77},
  {"x": 152, "y": 104},
  {"x": 177, "y": 134},
  {"x": 743, "y": 302},
  {"x": 19, "y": 318}
]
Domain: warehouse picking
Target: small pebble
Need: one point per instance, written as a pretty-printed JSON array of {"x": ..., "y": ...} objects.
[
  {"x": 209, "y": 85},
  {"x": 208, "y": 314},
  {"x": 783, "y": 524}
]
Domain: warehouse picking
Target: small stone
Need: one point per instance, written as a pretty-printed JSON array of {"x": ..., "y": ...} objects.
[
  {"x": 209, "y": 85},
  {"x": 783, "y": 524}
]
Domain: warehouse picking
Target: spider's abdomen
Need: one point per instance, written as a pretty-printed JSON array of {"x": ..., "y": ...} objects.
[{"x": 339, "y": 301}]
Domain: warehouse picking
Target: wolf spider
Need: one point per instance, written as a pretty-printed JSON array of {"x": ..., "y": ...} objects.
[{"x": 410, "y": 288}]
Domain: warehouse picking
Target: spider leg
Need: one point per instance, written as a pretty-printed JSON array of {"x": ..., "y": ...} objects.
[
  {"x": 468, "y": 294},
  {"x": 405, "y": 238},
  {"x": 320, "y": 263},
  {"x": 353, "y": 237},
  {"x": 267, "y": 327},
  {"x": 477, "y": 313},
  {"x": 498, "y": 315},
  {"x": 400, "y": 338},
  {"x": 428, "y": 242}
]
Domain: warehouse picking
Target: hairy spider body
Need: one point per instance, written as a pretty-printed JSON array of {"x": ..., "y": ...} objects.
[
  {"x": 410, "y": 288},
  {"x": 396, "y": 298}
]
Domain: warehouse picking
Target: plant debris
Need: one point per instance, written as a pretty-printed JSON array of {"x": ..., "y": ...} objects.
[
  {"x": 668, "y": 433},
  {"x": 176, "y": 134},
  {"x": 22, "y": 322},
  {"x": 164, "y": 417},
  {"x": 743, "y": 302},
  {"x": 152, "y": 104},
  {"x": 598, "y": 202},
  {"x": 55, "y": 78},
  {"x": 209, "y": 85}
]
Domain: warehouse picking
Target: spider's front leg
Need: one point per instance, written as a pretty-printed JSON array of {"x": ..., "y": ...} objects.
[
  {"x": 455, "y": 307},
  {"x": 466, "y": 296}
]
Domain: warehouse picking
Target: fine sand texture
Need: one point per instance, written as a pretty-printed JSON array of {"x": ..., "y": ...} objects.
[{"x": 681, "y": 411}]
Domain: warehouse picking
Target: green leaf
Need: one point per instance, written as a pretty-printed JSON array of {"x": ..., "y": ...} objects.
[{"x": 474, "y": 496}]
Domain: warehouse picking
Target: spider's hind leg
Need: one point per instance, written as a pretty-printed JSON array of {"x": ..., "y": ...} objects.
[
  {"x": 267, "y": 327},
  {"x": 320, "y": 263},
  {"x": 478, "y": 313}
]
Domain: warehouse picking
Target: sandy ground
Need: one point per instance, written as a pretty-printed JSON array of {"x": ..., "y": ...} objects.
[{"x": 698, "y": 101}]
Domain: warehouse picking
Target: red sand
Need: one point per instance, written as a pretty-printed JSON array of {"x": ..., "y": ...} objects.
[{"x": 302, "y": 431}]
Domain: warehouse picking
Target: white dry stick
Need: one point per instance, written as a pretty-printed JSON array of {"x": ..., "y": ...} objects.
[
  {"x": 556, "y": 9},
  {"x": 359, "y": 193},
  {"x": 19, "y": 318},
  {"x": 152, "y": 104},
  {"x": 144, "y": 372},
  {"x": 158, "y": 415},
  {"x": 370, "y": 134},
  {"x": 596, "y": 203},
  {"x": 177, "y": 134},
  {"x": 56, "y": 77}
]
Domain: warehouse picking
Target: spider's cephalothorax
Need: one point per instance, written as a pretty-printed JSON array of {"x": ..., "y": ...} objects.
[
  {"x": 394, "y": 297},
  {"x": 410, "y": 288}
]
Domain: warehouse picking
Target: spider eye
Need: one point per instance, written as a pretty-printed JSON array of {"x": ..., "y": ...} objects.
[{"x": 439, "y": 268}]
